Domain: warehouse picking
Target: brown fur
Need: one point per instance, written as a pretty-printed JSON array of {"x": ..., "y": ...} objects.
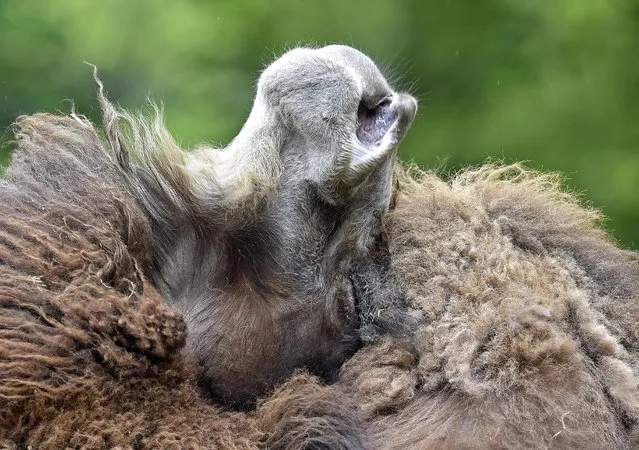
[
  {"x": 527, "y": 316},
  {"x": 89, "y": 354},
  {"x": 530, "y": 315}
]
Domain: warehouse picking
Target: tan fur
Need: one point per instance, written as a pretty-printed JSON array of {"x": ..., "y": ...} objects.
[{"x": 528, "y": 334}]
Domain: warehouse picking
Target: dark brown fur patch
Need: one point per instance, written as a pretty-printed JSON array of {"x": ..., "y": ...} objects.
[{"x": 89, "y": 353}]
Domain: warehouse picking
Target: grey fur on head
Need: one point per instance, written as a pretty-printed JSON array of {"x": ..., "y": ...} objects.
[{"x": 262, "y": 245}]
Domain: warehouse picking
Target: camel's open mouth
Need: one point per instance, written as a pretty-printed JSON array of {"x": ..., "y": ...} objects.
[{"x": 373, "y": 124}]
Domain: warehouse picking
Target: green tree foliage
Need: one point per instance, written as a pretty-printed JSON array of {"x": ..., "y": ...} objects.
[{"x": 552, "y": 82}]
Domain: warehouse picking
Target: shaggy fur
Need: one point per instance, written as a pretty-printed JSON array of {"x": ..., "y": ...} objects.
[
  {"x": 526, "y": 315},
  {"x": 529, "y": 327},
  {"x": 89, "y": 353},
  {"x": 496, "y": 313},
  {"x": 262, "y": 244}
]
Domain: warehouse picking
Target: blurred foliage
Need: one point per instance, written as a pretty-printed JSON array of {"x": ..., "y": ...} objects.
[{"x": 552, "y": 82}]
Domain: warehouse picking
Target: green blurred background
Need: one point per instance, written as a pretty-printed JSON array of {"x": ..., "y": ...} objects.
[{"x": 551, "y": 82}]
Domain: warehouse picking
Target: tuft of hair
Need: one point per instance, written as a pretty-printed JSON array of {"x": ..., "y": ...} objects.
[
  {"x": 174, "y": 186},
  {"x": 89, "y": 353}
]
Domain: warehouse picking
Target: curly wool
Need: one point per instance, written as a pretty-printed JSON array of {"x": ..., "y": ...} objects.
[
  {"x": 526, "y": 315},
  {"x": 89, "y": 354},
  {"x": 528, "y": 336}
]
